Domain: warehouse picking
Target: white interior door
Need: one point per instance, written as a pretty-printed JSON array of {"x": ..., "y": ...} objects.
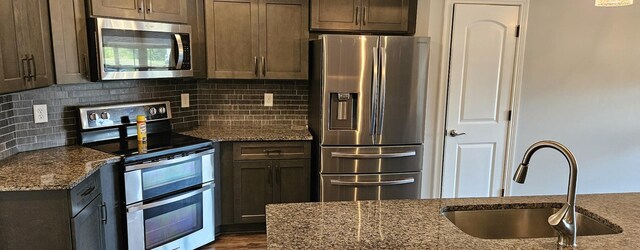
[{"x": 483, "y": 46}]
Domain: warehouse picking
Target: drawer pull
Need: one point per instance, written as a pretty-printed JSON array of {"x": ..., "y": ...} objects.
[
  {"x": 88, "y": 191},
  {"x": 272, "y": 151},
  {"x": 373, "y": 183},
  {"x": 373, "y": 156}
]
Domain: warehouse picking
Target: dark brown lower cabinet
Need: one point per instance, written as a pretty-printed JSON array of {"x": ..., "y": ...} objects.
[
  {"x": 80, "y": 218},
  {"x": 255, "y": 174}
]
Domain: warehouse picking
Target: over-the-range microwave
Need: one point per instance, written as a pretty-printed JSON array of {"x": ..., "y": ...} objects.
[{"x": 125, "y": 49}]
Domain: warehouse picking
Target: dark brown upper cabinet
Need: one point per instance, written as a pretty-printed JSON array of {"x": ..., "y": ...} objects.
[
  {"x": 174, "y": 11},
  {"x": 383, "y": 16},
  {"x": 257, "y": 39},
  {"x": 25, "y": 45}
]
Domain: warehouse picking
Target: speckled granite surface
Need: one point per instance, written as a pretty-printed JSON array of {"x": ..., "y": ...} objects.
[
  {"x": 249, "y": 134},
  {"x": 51, "y": 169},
  {"x": 418, "y": 224}
]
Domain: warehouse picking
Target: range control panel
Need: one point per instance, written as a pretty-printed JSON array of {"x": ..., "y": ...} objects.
[{"x": 115, "y": 115}]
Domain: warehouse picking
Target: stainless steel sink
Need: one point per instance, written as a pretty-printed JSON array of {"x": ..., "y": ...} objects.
[{"x": 518, "y": 223}]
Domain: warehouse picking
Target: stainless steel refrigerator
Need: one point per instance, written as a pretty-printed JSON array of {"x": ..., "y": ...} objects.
[{"x": 367, "y": 115}]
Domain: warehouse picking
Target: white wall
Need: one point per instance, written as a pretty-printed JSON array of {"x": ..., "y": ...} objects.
[{"x": 581, "y": 87}]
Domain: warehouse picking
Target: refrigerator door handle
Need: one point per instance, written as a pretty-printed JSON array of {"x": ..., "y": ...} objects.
[
  {"x": 373, "y": 156},
  {"x": 374, "y": 92},
  {"x": 373, "y": 183},
  {"x": 383, "y": 87}
]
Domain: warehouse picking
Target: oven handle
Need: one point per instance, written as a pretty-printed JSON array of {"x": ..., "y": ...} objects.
[
  {"x": 373, "y": 183},
  {"x": 187, "y": 195},
  {"x": 180, "y": 51},
  {"x": 165, "y": 162},
  {"x": 373, "y": 156}
]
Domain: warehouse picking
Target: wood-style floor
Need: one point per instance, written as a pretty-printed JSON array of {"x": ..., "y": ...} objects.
[{"x": 238, "y": 241}]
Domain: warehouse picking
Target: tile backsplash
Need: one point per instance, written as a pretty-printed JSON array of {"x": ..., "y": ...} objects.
[{"x": 212, "y": 102}]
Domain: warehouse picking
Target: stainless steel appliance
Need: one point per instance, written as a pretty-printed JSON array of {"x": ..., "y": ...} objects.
[
  {"x": 168, "y": 187},
  {"x": 367, "y": 115},
  {"x": 125, "y": 49}
]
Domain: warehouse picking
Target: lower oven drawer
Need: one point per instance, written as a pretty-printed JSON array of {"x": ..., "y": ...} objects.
[
  {"x": 181, "y": 221},
  {"x": 370, "y": 186},
  {"x": 371, "y": 159}
]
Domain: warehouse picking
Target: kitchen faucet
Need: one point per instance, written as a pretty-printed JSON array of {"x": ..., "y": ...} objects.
[{"x": 563, "y": 221}]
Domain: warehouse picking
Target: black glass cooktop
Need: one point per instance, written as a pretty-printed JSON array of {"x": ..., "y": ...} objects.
[{"x": 158, "y": 145}]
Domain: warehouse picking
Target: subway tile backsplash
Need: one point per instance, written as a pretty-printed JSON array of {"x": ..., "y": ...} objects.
[{"x": 212, "y": 102}]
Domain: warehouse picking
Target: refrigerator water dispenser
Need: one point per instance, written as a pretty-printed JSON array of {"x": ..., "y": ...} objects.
[{"x": 343, "y": 111}]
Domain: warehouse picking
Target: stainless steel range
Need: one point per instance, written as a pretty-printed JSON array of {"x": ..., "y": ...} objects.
[{"x": 168, "y": 188}]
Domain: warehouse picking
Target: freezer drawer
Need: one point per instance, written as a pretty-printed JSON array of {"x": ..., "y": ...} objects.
[
  {"x": 368, "y": 160},
  {"x": 370, "y": 187}
]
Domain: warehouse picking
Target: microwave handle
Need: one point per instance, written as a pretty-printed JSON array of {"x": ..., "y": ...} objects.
[{"x": 180, "y": 51}]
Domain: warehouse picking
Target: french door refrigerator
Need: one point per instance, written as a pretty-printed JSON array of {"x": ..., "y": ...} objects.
[{"x": 367, "y": 115}]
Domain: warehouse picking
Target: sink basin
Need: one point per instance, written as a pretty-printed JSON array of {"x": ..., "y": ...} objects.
[{"x": 521, "y": 221}]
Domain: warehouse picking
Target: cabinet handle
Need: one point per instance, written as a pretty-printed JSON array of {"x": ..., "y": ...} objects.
[
  {"x": 103, "y": 213},
  {"x": 88, "y": 191},
  {"x": 149, "y": 6},
  {"x": 85, "y": 68},
  {"x": 270, "y": 151},
  {"x": 33, "y": 61},
  {"x": 255, "y": 65},
  {"x": 278, "y": 174},
  {"x": 269, "y": 175},
  {"x": 364, "y": 15},
  {"x": 357, "y": 15},
  {"x": 25, "y": 74},
  {"x": 264, "y": 66},
  {"x": 140, "y": 7}
]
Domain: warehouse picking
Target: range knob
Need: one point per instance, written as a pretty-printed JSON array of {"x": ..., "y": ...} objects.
[
  {"x": 93, "y": 116},
  {"x": 153, "y": 111},
  {"x": 162, "y": 110},
  {"x": 105, "y": 115}
]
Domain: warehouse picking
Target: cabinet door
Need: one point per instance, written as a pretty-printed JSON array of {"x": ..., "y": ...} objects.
[
  {"x": 87, "y": 227},
  {"x": 385, "y": 15},
  {"x": 284, "y": 39},
  {"x": 130, "y": 9},
  {"x": 292, "y": 181},
  {"x": 69, "y": 35},
  {"x": 336, "y": 14},
  {"x": 174, "y": 11},
  {"x": 109, "y": 179},
  {"x": 40, "y": 43},
  {"x": 253, "y": 181},
  {"x": 195, "y": 10},
  {"x": 232, "y": 38},
  {"x": 12, "y": 22}
]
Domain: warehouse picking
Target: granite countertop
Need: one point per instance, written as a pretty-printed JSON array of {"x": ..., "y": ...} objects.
[
  {"x": 418, "y": 224},
  {"x": 51, "y": 169},
  {"x": 249, "y": 134}
]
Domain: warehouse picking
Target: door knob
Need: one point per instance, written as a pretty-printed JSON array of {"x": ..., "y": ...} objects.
[{"x": 455, "y": 133}]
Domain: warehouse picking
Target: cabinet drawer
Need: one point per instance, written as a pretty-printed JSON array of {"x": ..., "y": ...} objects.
[
  {"x": 270, "y": 150},
  {"x": 82, "y": 194}
]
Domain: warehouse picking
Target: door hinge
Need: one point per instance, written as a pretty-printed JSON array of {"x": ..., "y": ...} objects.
[
  {"x": 509, "y": 115},
  {"x": 518, "y": 31},
  {"x": 502, "y": 192}
]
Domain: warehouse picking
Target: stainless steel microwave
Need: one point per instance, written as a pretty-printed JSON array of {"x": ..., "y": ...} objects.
[{"x": 125, "y": 49}]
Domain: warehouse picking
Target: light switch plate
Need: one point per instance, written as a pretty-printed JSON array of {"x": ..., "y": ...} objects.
[
  {"x": 184, "y": 103},
  {"x": 40, "y": 113},
  {"x": 268, "y": 99}
]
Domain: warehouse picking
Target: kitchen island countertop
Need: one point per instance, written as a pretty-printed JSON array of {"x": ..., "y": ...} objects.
[
  {"x": 419, "y": 224},
  {"x": 57, "y": 168}
]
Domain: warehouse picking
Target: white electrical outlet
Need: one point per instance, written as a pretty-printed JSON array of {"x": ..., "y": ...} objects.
[
  {"x": 184, "y": 103},
  {"x": 268, "y": 99},
  {"x": 40, "y": 113}
]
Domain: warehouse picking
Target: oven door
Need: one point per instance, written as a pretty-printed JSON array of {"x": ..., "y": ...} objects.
[
  {"x": 182, "y": 221},
  {"x": 140, "y": 50},
  {"x": 155, "y": 179}
]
